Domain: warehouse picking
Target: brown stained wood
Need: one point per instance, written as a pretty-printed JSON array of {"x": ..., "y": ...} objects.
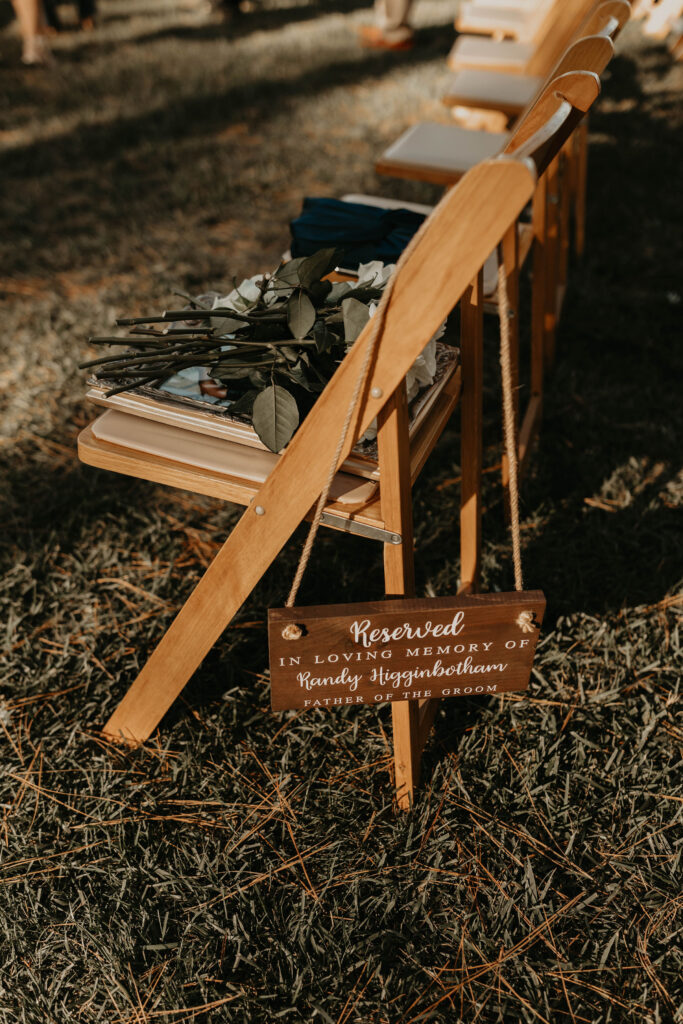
[
  {"x": 402, "y": 652},
  {"x": 457, "y": 240},
  {"x": 471, "y": 419}
]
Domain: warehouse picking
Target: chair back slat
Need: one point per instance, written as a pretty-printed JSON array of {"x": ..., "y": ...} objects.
[
  {"x": 547, "y": 126},
  {"x": 569, "y": 16}
]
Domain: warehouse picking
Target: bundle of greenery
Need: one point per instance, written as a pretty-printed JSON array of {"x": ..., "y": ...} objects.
[{"x": 263, "y": 352}]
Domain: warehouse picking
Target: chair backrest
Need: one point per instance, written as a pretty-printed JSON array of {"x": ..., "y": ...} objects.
[
  {"x": 461, "y": 232},
  {"x": 590, "y": 53},
  {"x": 593, "y": 48},
  {"x": 553, "y": 117},
  {"x": 608, "y": 19},
  {"x": 567, "y": 19}
]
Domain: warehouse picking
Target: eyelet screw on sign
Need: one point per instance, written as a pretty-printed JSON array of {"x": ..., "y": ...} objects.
[
  {"x": 525, "y": 621},
  {"x": 292, "y": 632}
]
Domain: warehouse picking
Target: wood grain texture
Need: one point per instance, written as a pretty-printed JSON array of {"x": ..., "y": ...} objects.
[
  {"x": 458, "y": 237},
  {"x": 471, "y": 415}
]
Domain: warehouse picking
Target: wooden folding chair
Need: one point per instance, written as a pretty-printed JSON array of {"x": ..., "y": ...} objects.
[
  {"x": 442, "y": 269},
  {"x": 474, "y": 91},
  {"x": 545, "y": 242},
  {"x": 441, "y": 153},
  {"x": 523, "y": 21},
  {"x": 523, "y": 58}
]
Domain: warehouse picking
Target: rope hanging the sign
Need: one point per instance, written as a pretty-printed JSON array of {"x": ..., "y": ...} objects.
[{"x": 509, "y": 431}]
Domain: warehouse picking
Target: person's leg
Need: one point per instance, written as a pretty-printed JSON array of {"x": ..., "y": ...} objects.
[
  {"x": 393, "y": 18},
  {"x": 86, "y": 13},
  {"x": 392, "y": 28},
  {"x": 51, "y": 16},
  {"x": 29, "y": 16}
]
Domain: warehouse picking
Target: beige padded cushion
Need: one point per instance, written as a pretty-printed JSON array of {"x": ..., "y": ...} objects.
[
  {"x": 491, "y": 87},
  {"x": 212, "y": 453},
  {"x": 387, "y": 204},
  {"x": 430, "y": 144},
  {"x": 476, "y": 51},
  {"x": 503, "y": 5},
  {"x": 486, "y": 18}
]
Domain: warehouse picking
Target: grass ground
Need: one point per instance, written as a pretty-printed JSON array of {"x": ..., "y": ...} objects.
[{"x": 251, "y": 867}]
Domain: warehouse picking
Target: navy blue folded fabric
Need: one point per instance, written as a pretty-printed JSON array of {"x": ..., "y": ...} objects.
[{"x": 363, "y": 232}]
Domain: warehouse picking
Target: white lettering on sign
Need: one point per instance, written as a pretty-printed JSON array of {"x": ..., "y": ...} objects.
[
  {"x": 363, "y": 633},
  {"x": 309, "y": 682},
  {"x": 407, "y": 676}
]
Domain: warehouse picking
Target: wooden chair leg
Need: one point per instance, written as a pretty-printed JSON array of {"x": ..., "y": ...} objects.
[
  {"x": 580, "y": 180},
  {"x": 566, "y": 193},
  {"x": 552, "y": 247},
  {"x": 399, "y": 574},
  {"x": 472, "y": 358}
]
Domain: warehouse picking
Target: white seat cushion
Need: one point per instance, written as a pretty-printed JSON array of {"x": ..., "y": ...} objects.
[
  {"x": 387, "y": 204},
  {"x": 491, "y": 88},
  {"x": 503, "y": 5},
  {"x": 448, "y": 147},
  {"x": 483, "y": 18},
  {"x": 212, "y": 453},
  {"x": 480, "y": 51}
]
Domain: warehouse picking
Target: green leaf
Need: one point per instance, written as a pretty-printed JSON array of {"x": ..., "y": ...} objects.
[
  {"x": 297, "y": 374},
  {"x": 288, "y": 273},
  {"x": 317, "y": 266},
  {"x": 245, "y": 403},
  {"x": 356, "y": 315},
  {"x": 337, "y": 291},
  {"x": 225, "y": 325},
  {"x": 275, "y": 417},
  {"x": 323, "y": 338},
  {"x": 226, "y": 372},
  {"x": 300, "y": 314}
]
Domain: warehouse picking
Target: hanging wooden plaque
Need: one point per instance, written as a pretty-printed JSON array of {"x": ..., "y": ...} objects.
[{"x": 407, "y": 649}]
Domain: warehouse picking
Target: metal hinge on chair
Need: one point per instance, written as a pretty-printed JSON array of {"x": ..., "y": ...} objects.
[{"x": 360, "y": 529}]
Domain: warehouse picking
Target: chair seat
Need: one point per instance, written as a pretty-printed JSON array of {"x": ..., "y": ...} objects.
[
  {"x": 492, "y": 90},
  {"x": 250, "y": 465},
  {"x": 387, "y": 204},
  {"x": 440, "y": 153},
  {"x": 520, "y": 22},
  {"x": 482, "y": 52},
  {"x": 505, "y": 5}
]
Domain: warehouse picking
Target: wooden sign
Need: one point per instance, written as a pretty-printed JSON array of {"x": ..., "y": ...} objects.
[{"x": 382, "y": 651}]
